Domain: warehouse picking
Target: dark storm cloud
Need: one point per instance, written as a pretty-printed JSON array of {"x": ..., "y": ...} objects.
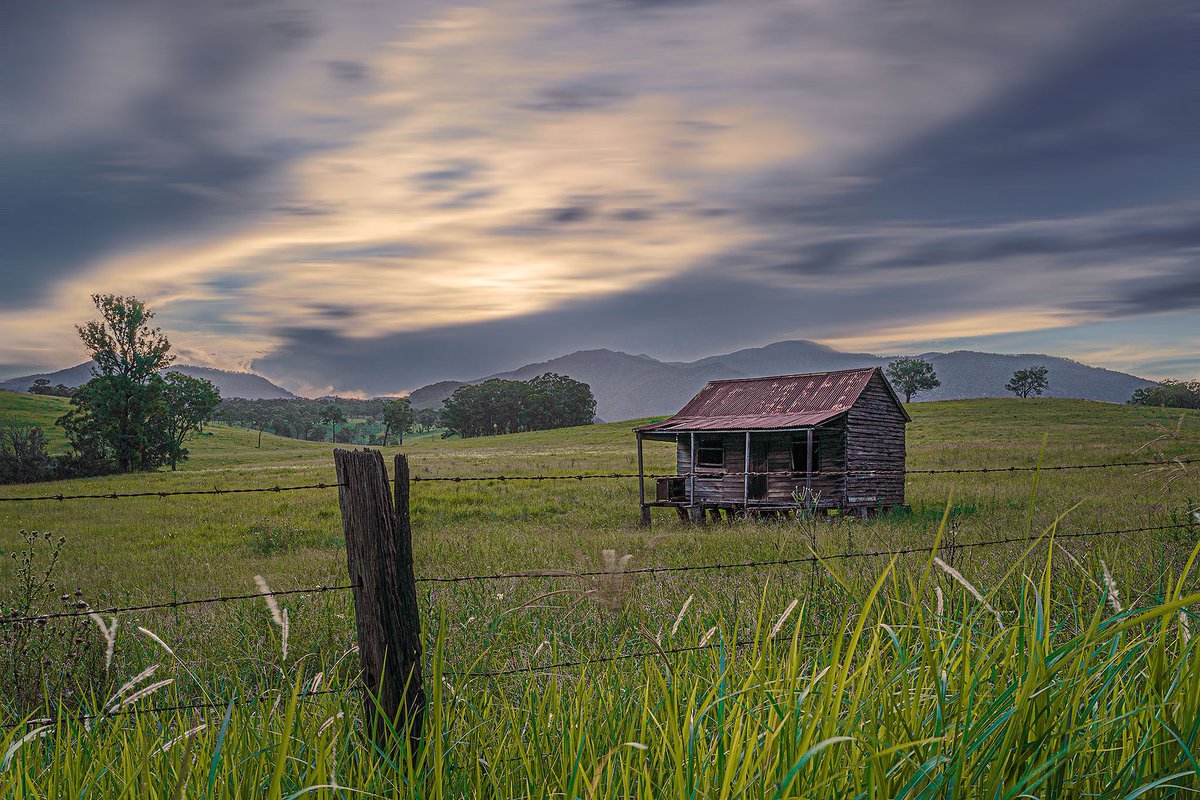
[
  {"x": 580, "y": 95},
  {"x": 76, "y": 204},
  {"x": 1076, "y": 242},
  {"x": 450, "y": 175},
  {"x": 675, "y": 316},
  {"x": 144, "y": 143},
  {"x": 348, "y": 71},
  {"x": 578, "y": 212},
  {"x": 1152, "y": 294},
  {"x": 1109, "y": 125}
]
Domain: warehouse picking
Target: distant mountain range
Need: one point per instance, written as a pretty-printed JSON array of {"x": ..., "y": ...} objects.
[
  {"x": 246, "y": 385},
  {"x": 632, "y": 386}
]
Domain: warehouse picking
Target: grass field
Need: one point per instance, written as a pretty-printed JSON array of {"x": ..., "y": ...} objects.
[{"x": 883, "y": 680}]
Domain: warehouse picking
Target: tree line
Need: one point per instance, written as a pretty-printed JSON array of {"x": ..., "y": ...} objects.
[
  {"x": 502, "y": 406},
  {"x": 378, "y": 421},
  {"x": 1169, "y": 394}
]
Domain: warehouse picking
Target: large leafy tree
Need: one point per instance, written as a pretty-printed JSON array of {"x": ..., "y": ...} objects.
[
  {"x": 119, "y": 405},
  {"x": 426, "y": 418},
  {"x": 122, "y": 342},
  {"x": 500, "y": 406},
  {"x": 332, "y": 416},
  {"x": 910, "y": 375},
  {"x": 1025, "y": 382},
  {"x": 188, "y": 404},
  {"x": 397, "y": 419}
]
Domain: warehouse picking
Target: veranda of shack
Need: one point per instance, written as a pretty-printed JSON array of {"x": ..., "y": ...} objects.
[{"x": 816, "y": 441}]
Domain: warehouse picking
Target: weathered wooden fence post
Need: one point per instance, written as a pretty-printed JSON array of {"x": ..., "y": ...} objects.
[{"x": 380, "y": 561}]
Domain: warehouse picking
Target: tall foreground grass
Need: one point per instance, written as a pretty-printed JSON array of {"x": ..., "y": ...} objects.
[{"x": 916, "y": 693}]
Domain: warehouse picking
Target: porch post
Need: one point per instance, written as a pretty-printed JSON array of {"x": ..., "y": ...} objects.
[
  {"x": 642, "y": 484},
  {"x": 692, "y": 476},
  {"x": 746, "y": 475},
  {"x": 808, "y": 465}
]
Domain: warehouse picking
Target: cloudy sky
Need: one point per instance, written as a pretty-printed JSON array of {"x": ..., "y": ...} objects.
[{"x": 371, "y": 195}]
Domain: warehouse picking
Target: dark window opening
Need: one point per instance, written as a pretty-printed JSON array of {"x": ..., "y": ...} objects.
[
  {"x": 710, "y": 453},
  {"x": 800, "y": 462}
]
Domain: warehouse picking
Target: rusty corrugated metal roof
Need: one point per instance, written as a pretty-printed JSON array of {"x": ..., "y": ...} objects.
[{"x": 781, "y": 401}]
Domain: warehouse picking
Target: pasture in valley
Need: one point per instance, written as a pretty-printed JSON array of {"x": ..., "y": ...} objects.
[{"x": 857, "y": 677}]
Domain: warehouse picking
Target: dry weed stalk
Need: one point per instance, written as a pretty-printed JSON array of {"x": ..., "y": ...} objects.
[
  {"x": 110, "y": 637},
  {"x": 280, "y": 618},
  {"x": 1110, "y": 589},
  {"x": 958, "y": 576}
]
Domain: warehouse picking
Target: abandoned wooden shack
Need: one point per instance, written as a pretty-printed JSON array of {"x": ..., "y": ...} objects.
[{"x": 771, "y": 446}]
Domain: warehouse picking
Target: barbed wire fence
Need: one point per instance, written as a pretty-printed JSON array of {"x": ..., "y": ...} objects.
[
  {"x": 499, "y": 478},
  {"x": 372, "y": 525}
]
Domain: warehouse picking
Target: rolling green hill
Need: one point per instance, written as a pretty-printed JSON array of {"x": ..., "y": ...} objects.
[
  {"x": 21, "y": 410},
  {"x": 1047, "y": 657}
]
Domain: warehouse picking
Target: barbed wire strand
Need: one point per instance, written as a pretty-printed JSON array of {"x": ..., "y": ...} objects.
[
  {"x": 39, "y": 618},
  {"x": 803, "y": 473},
  {"x": 791, "y": 561},
  {"x": 172, "y": 493},
  {"x": 1183, "y": 462},
  {"x": 132, "y": 710}
]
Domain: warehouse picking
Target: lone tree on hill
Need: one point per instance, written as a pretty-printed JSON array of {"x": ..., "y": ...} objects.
[
  {"x": 332, "y": 416},
  {"x": 1028, "y": 381},
  {"x": 128, "y": 413},
  {"x": 910, "y": 375},
  {"x": 397, "y": 419},
  {"x": 116, "y": 406}
]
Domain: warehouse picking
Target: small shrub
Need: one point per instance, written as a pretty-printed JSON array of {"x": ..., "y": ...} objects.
[
  {"x": 23, "y": 456},
  {"x": 268, "y": 538},
  {"x": 61, "y": 658}
]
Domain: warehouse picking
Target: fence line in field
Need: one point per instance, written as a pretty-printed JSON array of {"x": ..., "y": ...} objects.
[
  {"x": 380, "y": 564},
  {"x": 84, "y": 612},
  {"x": 536, "y": 574},
  {"x": 172, "y": 493},
  {"x": 120, "y": 712},
  {"x": 1180, "y": 462},
  {"x": 801, "y": 473},
  {"x": 813, "y": 559}
]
